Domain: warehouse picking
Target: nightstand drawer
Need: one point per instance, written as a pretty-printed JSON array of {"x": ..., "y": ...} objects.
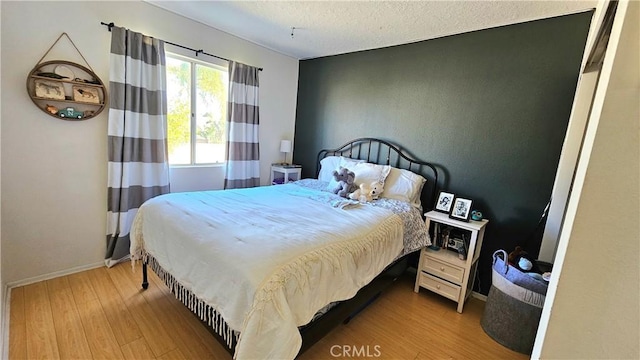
[
  {"x": 439, "y": 286},
  {"x": 443, "y": 270}
]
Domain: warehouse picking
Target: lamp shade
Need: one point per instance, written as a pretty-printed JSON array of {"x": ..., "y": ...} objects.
[{"x": 285, "y": 146}]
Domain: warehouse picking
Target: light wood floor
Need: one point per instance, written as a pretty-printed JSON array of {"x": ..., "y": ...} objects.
[{"x": 83, "y": 316}]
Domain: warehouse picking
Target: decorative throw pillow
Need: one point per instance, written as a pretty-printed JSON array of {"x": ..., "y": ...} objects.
[{"x": 404, "y": 185}]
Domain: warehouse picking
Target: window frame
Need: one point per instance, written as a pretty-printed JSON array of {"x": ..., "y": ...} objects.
[{"x": 220, "y": 65}]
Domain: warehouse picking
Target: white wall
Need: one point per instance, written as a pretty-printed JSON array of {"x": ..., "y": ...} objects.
[
  {"x": 3, "y": 301},
  {"x": 592, "y": 309},
  {"x": 54, "y": 172}
]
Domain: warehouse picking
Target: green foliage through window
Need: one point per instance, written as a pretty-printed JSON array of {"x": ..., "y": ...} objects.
[{"x": 197, "y": 112}]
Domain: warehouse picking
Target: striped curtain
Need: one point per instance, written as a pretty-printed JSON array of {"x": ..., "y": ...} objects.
[
  {"x": 138, "y": 167},
  {"x": 243, "y": 120}
]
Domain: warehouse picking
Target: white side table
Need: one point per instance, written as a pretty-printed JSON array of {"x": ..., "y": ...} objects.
[
  {"x": 442, "y": 271},
  {"x": 282, "y": 174}
]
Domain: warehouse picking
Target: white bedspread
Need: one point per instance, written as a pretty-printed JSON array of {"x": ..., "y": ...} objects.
[{"x": 267, "y": 258}]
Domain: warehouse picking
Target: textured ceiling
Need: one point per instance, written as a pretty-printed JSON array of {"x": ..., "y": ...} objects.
[{"x": 325, "y": 28}]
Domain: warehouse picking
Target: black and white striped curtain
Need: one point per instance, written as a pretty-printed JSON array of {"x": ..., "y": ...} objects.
[
  {"x": 138, "y": 167},
  {"x": 243, "y": 120}
]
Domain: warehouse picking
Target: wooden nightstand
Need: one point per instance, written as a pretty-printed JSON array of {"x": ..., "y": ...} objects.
[
  {"x": 442, "y": 271},
  {"x": 282, "y": 174}
]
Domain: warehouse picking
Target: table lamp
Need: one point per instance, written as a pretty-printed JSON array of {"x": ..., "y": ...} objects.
[{"x": 285, "y": 147}]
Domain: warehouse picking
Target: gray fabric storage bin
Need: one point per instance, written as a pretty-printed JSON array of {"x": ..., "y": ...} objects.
[{"x": 514, "y": 305}]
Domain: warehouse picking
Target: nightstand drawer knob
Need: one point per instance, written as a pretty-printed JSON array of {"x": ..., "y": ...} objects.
[
  {"x": 442, "y": 268},
  {"x": 438, "y": 287}
]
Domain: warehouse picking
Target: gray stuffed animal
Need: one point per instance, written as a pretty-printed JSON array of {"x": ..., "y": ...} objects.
[{"x": 345, "y": 179}]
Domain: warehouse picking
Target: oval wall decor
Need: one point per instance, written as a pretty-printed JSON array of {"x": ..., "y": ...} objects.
[{"x": 66, "y": 90}]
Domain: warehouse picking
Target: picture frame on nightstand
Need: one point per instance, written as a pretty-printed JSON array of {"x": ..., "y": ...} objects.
[
  {"x": 444, "y": 202},
  {"x": 461, "y": 209}
]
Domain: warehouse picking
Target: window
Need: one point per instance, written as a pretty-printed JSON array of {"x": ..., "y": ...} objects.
[{"x": 197, "y": 111}]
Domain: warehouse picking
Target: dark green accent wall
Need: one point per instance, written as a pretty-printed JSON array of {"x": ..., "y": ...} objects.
[{"x": 490, "y": 108}]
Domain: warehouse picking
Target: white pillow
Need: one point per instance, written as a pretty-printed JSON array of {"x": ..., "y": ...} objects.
[
  {"x": 327, "y": 165},
  {"x": 404, "y": 185},
  {"x": 330, "y": 163},
  {"x": 366, "y": 173}
]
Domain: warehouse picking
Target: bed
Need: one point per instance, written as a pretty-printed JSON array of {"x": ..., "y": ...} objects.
[{"x": 272, "y": 269}]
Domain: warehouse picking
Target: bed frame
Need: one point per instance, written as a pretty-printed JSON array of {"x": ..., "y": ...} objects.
[
  {"x": 372, "y": 150},
  {"x": 382, "y": 152}
]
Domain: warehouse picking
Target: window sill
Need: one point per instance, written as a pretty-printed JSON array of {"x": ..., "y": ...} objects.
[{"x": 216, "y": 165}]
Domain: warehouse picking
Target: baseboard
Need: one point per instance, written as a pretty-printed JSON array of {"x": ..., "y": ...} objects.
[
  {"x": 479, "y": 296},
  {"x": 6, "y": 313},
  {"x": 54, "y": 274}
]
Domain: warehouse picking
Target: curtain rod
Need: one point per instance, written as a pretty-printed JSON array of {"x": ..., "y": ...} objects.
[{"x": 111, "y": 24}]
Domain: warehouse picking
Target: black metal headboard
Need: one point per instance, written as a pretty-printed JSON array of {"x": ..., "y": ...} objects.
[{"x": 382, "y": 152}]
